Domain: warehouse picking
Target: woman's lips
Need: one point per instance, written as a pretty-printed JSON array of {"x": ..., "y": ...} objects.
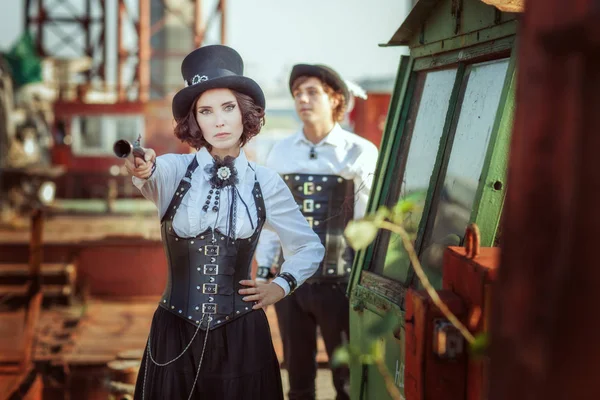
[{"x": 221, "y": 135}]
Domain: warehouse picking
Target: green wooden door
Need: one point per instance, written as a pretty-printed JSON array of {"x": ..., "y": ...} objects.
[{"x": 444, "y": 151}]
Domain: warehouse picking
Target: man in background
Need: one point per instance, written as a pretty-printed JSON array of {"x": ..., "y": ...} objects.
[{"x": 329, "y": 171}]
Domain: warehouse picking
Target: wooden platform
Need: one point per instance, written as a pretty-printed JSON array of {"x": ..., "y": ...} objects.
[
  {"x": 87, "y": 338},
  {"x": 97, "y": 334},
  {"x": 111, "y": 327},
  {"x": 66, "y": 229},
  {"x": 27, "y": 385},
  {"x": 81, "y": 339},
  {"x": 11, "y": 335}
]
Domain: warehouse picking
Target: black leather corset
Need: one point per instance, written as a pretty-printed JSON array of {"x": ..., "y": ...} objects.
[
  {"x": 327, "y": 203},
  {"x": 204, "y": 271}
]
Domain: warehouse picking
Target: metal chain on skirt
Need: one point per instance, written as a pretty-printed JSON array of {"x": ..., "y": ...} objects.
[{"x": 179, "y": 356}]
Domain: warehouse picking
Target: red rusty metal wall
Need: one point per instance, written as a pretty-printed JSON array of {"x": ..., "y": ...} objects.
[
  {"x": 111, "y": 267},
  {"x": 88, "y": 176},
  {"x": 545, "y": 326},
  {"x": 368, "y": 116},
  {"x": 158, "y": 135},
  {"x": 427, "y": 377},
  {"x": 123, "y": 268},
  {"x": 471, "y": 279}
]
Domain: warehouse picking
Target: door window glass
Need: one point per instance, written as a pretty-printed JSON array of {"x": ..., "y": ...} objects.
[
  {"x": 423, "y": 131},
  {"x": 477, "y": 106}
]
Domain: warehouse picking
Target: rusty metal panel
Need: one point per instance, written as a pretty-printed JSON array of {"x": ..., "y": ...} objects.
[
  {"x": 544, "y": 342},
  {"x": 427, "y": 376},
  {"x": 470, "y": 277}
]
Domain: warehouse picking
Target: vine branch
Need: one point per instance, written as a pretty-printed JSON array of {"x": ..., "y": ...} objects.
[{"x": 412, "y": 254}]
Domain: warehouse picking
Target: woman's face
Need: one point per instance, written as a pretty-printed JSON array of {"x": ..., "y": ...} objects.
[{"x": 220, "y": 119}]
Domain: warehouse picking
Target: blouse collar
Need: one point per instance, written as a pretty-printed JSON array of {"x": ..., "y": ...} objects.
[{"x": 205, "y": 158}]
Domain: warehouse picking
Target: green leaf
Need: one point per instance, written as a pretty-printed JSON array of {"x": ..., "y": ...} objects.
[
  {"x": 375, "y": 353},
  {"x": 366, "y": 359},
  {"x": 360, "y": 234},
  {"x": 382, "y": 214},
  {"x": 377, "y": 350},
  {"x": 341, "y": 356},
  {"x": 383, "y": 326},
  {"x": 405, "y": 206},
  {"x": 480, "y": 346}
]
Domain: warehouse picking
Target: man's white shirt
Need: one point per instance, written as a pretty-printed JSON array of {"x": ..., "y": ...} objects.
[{"x": 340, "y": 153}]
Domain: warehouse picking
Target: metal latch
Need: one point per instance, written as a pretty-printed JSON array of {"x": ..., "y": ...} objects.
[{"x": 448, "y": 342}]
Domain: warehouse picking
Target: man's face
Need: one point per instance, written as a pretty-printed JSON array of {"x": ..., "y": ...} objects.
[{"x": 313, "y": 104}]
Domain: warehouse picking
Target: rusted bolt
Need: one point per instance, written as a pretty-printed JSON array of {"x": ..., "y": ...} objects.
[{"x": 358, "y": 306}]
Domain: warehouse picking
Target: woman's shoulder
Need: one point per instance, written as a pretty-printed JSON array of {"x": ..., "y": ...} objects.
[
  {"x": 175, "y": 161},
  {"x": 173, "y": 165},
  {"x": 176, "y": 158}
]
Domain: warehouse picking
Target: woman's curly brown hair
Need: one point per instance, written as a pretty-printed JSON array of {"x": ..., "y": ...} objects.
[{"x": 253, "y": 118}]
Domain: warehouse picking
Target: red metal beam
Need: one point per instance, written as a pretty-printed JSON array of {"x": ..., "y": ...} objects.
[
  {"x": 121, "y": 52},
  {"x": 27, "y": 16},
  {"x": 40, "y": 32},
  {"x": 544, "y": 328},
  {"x": 103, "y": 41},
  {"x": 163, "y": 54},
  {"x": 63, "y": 20},
  {"x": 88, "y": 35},
  {"x": 68, "y": 109},
  {"x": 223, "y": 8},
  {"x": 158, "y": 25},
  {"x": 144, "y": 52},
  {"x": 198, "y": 24}
]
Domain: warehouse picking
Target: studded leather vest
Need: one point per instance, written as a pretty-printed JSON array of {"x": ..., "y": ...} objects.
[
  {"x": 327, "y": 203},
  {"x": 204, "y": 271}
]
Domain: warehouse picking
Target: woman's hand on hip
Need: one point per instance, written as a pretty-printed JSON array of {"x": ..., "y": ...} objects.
[
  {"x": 264, "y": 293},
  {"x": 142, "y": 168}
]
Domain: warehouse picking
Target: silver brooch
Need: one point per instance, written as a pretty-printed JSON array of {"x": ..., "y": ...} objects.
[
  {"x": 223, "y": 173},
  {"x": 197, "y": 79}
]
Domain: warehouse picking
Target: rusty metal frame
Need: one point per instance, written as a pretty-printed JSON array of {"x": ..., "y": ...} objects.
[
  {"x": 41, "y": 14},
  {"x": 44, "y": 16},
  {"x": 198, "y": 25}
]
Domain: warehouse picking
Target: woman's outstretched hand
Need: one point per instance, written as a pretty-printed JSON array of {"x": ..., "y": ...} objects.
[
  {"x": 264, "y": 293},
  {"x": 142, "y": 168}
]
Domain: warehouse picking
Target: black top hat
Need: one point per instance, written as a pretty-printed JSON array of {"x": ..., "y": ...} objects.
[
  {"x": 324, "y": 73},
  {"x": 213, "y": 67}
]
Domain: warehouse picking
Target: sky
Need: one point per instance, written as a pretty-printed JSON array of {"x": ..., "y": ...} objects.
[
  {"x": 341, "y": 33},
  {"x": 272, "y": 35}
]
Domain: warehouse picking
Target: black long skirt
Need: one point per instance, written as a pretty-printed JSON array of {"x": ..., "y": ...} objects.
[{"x": 239, "y": 361}]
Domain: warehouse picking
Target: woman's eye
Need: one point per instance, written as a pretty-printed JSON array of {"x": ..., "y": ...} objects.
[
  {"x": 229, "y": 107},
  {"x": 204, "y": 112}
]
